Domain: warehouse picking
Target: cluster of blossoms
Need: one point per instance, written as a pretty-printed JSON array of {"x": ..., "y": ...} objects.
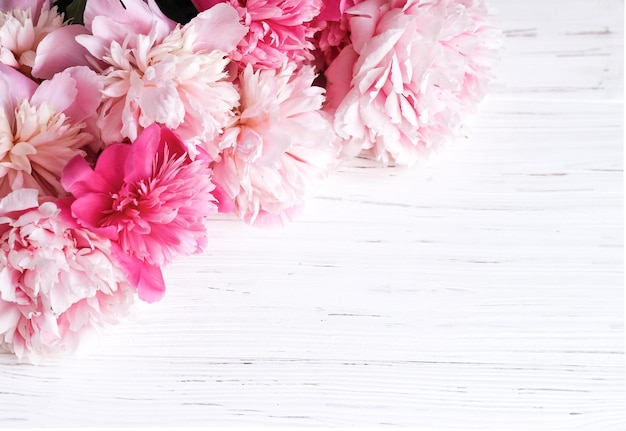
[{"x": 122, "y": 135}]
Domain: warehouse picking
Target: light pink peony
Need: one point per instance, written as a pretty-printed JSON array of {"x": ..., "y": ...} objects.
[
  {"x": 42, "y": 127},
  {"x": 23, "y": 25},
  {"x": 411, "y": 76},
  {"x": 58, "y": 284},
  {"x": 35, "y": 40},
  {"x": 157, "y": 72},
  {"x": 279, "y": 31},
  {"x": 281, "y": 145},
  {"x": 149, "y": 198}
]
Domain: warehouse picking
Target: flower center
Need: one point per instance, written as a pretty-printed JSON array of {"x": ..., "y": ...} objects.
[
  {"x": 130, "y": 208},
  {"x": 128, "y": 202},
  {"x": 122, "y": 201}
]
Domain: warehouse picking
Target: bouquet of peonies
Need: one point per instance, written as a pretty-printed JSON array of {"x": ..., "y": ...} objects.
[{"x": 124, "y": 124}]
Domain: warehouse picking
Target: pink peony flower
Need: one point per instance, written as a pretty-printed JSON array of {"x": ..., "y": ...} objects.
[
  {"x": 279, "y": 31},
  {"x": 156, "y": 72},
  {"x": 280, "y": 146},
  {"x": 411, "y": 77},
  {"x": 150, "y": 198},
  {"x": 23, "y": 25},
  {"x": 42, "y": 127},
  {"x": 333, "y": 34},
  {"x": 58, "y": 284}
]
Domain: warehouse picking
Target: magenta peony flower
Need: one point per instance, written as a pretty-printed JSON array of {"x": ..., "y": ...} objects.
[
  {"x": 155, "y": 71},
  {"x": 42, "y": 127},
  {"x": 150, "y": 198},
  {"x": 411, "y": 76},
  {"x": 279, "y": 31},
  {"x": 23, "y": 25},
  {"x": 58, "y": 284},
  {"x": 280, "y": 146}
]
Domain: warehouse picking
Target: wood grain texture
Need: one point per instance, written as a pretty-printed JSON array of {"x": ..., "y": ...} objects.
[{"x": 483, "y": 290}]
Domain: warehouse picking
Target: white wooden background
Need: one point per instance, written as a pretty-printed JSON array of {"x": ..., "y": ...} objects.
[{"x": 482, "y": 291}]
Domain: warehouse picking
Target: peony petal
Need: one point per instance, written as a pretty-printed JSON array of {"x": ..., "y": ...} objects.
[
  {"x": 19, "y": 200},
  {"x": 34, "y": 5},
  {"x": 134, "y": 14},
  {"x": 339, "y": 77},
  {"x": 221, "y": 19},
  {"x": 14, "y": 87},
  {"x": 150, "y": 285},
  {"x": 141, "y": 158},
  {"x": 88, "y": 97},
  {"x": 177, "y": 147},
  {"x": 95, "y": 46},
  {"x": 9, "y": 314},
  {"x": 332, "y": 10},
  {"x": 78, "y": 178},
  {"x": 109, "y": 165},
  {"x": 60, "y": 50},
  {"x": 225, "y": 176},
  {"x": 225, "y": 204},
  {"x": 377, "y": 49},
  {"x": 270, "y": 220},
  {"x": 23, "y": 149},
  {"x": 88, "y": 210},
  {"x": 162, "y": 105},
  {"x": 147, "y": 279},
  {"x": 363, "y": 19},
  {"x": 60, "y": 91}
]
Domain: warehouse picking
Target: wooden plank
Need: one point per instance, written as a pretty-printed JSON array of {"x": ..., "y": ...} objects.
[{"x": 484, "y": 289}]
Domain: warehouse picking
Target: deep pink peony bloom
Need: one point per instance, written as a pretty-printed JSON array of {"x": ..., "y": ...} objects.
[
  {"x": 42, "y": 127},
  {"x": 333, "y": 34},
  {"x": 150, "y": 198},
  {"x": 155, "y": 71},
  {"x": 279, "y": 148},
  {"x": 411, "y": 76},
  {"x": 279, "y": 31},
  {"x": 58, "y": 284}
]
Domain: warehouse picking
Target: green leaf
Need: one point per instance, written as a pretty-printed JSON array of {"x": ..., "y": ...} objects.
[{"x": 75, "y": 11}]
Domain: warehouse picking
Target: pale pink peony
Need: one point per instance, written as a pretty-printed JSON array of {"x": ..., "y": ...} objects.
[
  {"x": 23, "y": 25},
  {"x": 35, "y": 40},
  {"x": 149, "y": 198},
  {"x": 42, "y": 127},
  {"x": 280, "y": 147},
  {"x": 58, "y": 284},
  {"x": 411, "y": 77},
  {"x": 157, "y": 72},
  {"x": 279, "y": 31}
]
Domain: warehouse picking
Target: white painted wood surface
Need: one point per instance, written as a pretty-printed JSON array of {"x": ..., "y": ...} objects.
[{"x": 484, "y": 290}]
